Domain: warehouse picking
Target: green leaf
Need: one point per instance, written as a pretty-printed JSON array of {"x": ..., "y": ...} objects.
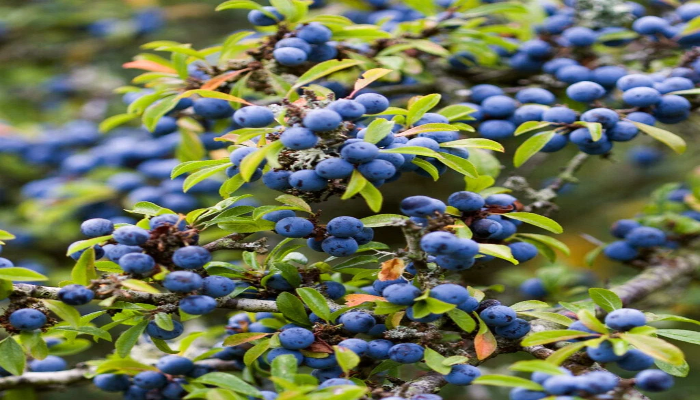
[
  {"x": 228, "y": 381},
  {"x": 284, "y": 367},
  {"x": 475, "y": 143},
  {"x": 606, "y": 299},
  {"x": 13, "y": 359},
  {"x": 552, "y": 336},
  {"x": 537, "y": 220},
  {"x": 252, "y": 161},
  {"x": 459, "y": 164},
  {"x": 245, "y": 337},
  {"x": 84, "y": 244},
  {"x": 127, "y": 340},
  {"x": 378, "y": 130},
  {"x": 431, "y": 127},
  {"x": 529, "y": 305},
  {"x": 438, "y": 307},
  {"x": 531, "y": 146},
  {"x": 680, "y": 334},
  {"x": 536, "y": 366},
  {"x": 189, "y": 166},
  {"x": 64, "y": 311},
  {"x": 292, "y": 308},
  {"x": 497, "y": 250},
  {"x": 434, "y": 360},
  {"x": 347, "y": 359},
  {"x": 507, "y": 381},
  {"x": 665, "y": 317},
  {"x": 373, "y": 197},
  {"x": 21, "y": 274},
  {"x": 323, "y": 69},
  {"x": 156, "y": 111},
  {"x": 561, "y": 355},
  {"x": 355, "y": 186},
  {"x": 84, "y": 270},
  {"x": 190, "y": 147},
  {"x": 77, "y": 346},
  {"x": 203, "y": 174},
  {"x": 368, "y": 76},
  {"x": 375, "y": 221},
  {"x": 256, "y": 351},
  {"x": 591, "y": 322},
  {"x": 457, "y": 112},
  {"x": 164, "y": 321},
  {"x": 595, "y": 128},
  {"x": 675, "y": 370},
  {"x": 427, "y": 167},
  {"x": 214, "y": 95},
  {"x": 86, "y": 330},
  {"x": 530, "y": 126},
  {"x": 548, "y": 316},
  {"x": 315, "y": 301},
  {"x": 294, "y": 201},
  {"x": 675, "y": 142},
  {"x": 420, "y": 106},
  {"x": 454, "y": 360},
  {"x": 686, "y": 92},
  {"x": 35, "y": 344},
  {"x": 655, "y": 347},
  {"x": 231, "y": 185},
  {"x": 547, "y": 240},
  {"x": 116, "y": 120}
]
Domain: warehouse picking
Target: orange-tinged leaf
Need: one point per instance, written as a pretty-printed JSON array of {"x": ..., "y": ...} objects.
[
  {"x": 484, "y": 342},
  {"x": 352, "y": 300},
  {"x": 391, "y": 269},
  {"x": 367, "y": 78},
  {"x": 147, "y": 65},
  {"x": 217, "y": 81}
]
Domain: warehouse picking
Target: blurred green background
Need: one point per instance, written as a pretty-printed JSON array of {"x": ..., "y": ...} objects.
[{"x": 61, "y": 59}]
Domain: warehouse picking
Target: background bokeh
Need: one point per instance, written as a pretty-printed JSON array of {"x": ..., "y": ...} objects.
[{"x": 61, "y": 59}]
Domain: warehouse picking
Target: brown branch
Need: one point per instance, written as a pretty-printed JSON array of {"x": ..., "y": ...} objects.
[{"x": 234, "y": 241}]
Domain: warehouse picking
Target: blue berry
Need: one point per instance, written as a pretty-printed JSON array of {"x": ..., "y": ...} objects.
[
  {"x": 344, "y": 227},
  {"x": 96, "y": 227},
  {"x": 27, "y": 319},
  {"x": 296, "y": 338},
  {"x": 137, "y": 263},
  {"x": 339, "y": 247},
  {"x": 484, "y": 91},
  {"x": 322, "y": 363},
  {"x": 497, "y": 129},
  {"x": 604, "y": 353},
  {"x": 150, "y": 380},
  {"x": 462, "y": 374},
  {"x": 290, "y": 56},
  {"x": 322, "y": 52},
  {"x": 402, "y": 294},
  {"x": 515, "y": 330},
  {"x": 534, "y": 288},
  {"x": 349, "y": 110},
  {"x": 357, "y": 346},
  {"x": 322, "y": 120},
  {"x": 112, "y": 382},
  {"x": 183, "y": 281},
  {"x": 556, "y": 143},
  {"x": 314, "y": 33},
  {"x": 198, "y": 304},
  {"x": 259, "y": 18},
  {"x": 645, "y": 237},
  {"x": 175, "y": 365},
  {"x": 450, "y": 293},
  {"x": 253, "y": 117},
  {"x": 561, "y": 385},
  {"x": 217, "y": 286},
  {"x": 598, "y": 382},
  {"x": 213, "y": 108},
  {"x": 75, "y": 295},
  {"x": 377, "y": 170},
  {"x": 499, "y": 106},
  {"x": 307, "y": 180},
  {"x": 359, "y": 152},
  {"x": 573, "y": 74},
  {"x": 421, "y": 206},
  {"x": 295, "y": 227},
  {"x": 334, "y": 168},
  {"x": 654, "y": 380},
  {"x": 498, "y": 316},
  {"x": 48, "y": 364},
  {"x": 374, "y": 103},
  {"x": 439, "y": 243},
  {"x": 621, "y": 251},
  {"x": 406, "y": 353},
  {"x": 605, "y": 116},
  {"x": 559, "y": 114},
  {"x": 157, "y": 332},
  {"x": 625, "y": 319},
  {"x": 131, "y": 235},
  {"x": 630, "y": 81},
  {"x": 357, "y": 322},
  {"x": 523, "y": 251},
  {"x": 580, "y": 36},
  {"x": 336, "y": 382},
  {"x": 298, "y": 138},
  {"x": 294, "y": 42},
  {"x": 585, "y": 91},
  {"x": 334, "y": 290},
  {"x": 379, "y": 349},
  {"x": 277, "y": 180},
  {"x": 167, "y": 219},
  {"x": 635, "y": 360},
  {"x": 622, "y": 132},
  {"x": 486, "y": 228},
  {"x": 466, "y": 201},
  {"x": 191, "y": 257}
]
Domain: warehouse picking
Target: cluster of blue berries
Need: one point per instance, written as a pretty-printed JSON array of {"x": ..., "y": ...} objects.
[
  {"x": 635, "y": 239},
  {"x": 310, "y": 42},
  {"x": 165, "y": 383},
  {"x": 143, "y": 22},
  {"x": 620, "y": 320},
  {"x": 487, "y": 219}
]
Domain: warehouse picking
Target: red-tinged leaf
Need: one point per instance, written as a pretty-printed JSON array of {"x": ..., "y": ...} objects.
[
  {"x": 352, "y": 300},
  {"x": 391, "y": 270},
  {"x": 147, "y": 65},
  {"x": 484, "y": 342},
  {"x": 217, "y": 81}
]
